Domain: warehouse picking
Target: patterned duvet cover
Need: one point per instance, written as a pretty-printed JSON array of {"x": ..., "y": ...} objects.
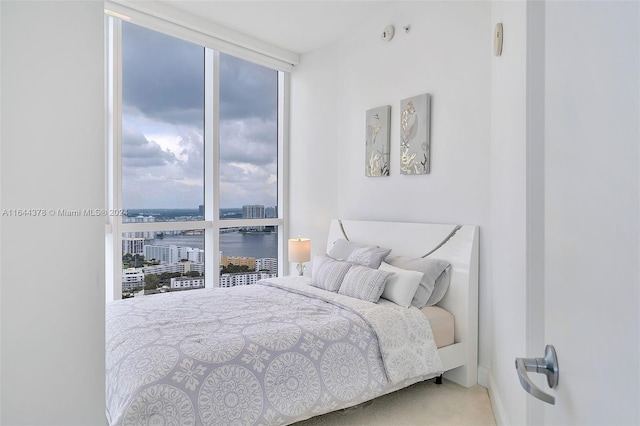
[{"x": 272, "y": 353}]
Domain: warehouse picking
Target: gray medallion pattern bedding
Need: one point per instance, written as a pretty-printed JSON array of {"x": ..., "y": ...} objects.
[{"x": 272, "y": 353}]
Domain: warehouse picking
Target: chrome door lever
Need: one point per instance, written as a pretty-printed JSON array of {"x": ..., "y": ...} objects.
[{"x": 547, "y": 366}]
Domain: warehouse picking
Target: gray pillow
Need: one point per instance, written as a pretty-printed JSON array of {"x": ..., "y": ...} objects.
[
  {"x": 364, "y": 283},
  {"x": 435, "y": 281},
  {"x": 328, "y": 273},
  {"x": 441, "y": 286},
  {"x": 360, "y": 254}
]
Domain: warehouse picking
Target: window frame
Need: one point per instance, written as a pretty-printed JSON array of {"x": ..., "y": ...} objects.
[{"x": 211, "y": 223}]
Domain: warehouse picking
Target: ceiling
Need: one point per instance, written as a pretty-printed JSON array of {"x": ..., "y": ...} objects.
[{"x": 298, "y": 26}]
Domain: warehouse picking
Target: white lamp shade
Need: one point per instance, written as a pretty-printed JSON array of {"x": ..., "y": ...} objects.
[{"x": 299, "y": 250}]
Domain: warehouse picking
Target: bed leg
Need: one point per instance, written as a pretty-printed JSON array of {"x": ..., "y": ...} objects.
[{"x": 439, "y": 380}]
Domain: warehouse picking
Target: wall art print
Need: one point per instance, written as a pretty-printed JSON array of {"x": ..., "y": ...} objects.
[
  {"x": 415, "y": 129},
  {"x": 377, "y": 150}
]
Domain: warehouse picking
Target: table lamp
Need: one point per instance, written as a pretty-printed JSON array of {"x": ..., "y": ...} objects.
[{"x": 300, "y": 252}]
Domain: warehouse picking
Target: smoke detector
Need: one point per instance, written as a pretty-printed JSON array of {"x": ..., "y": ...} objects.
[{"x": 387, "y": 34}]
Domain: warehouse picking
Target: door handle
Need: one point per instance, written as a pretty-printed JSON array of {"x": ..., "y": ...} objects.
[{"x": 547, "y": 366}]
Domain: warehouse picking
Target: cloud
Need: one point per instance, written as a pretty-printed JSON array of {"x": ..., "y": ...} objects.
[
  {"x": 163, "y": 125},
  {"x": 138, "y": 152},
  {"x": 251, "y": 141},
  {"x": 249, "y": 162},
  {"x": 247, "y": 90},
  {"x": 153, "y": 177},
  {"x": 163, "y": 76},
  {"x": 192, "y": 154},
  {"x": 162, "y": 194},
  {"x": 244, "y": 183}
]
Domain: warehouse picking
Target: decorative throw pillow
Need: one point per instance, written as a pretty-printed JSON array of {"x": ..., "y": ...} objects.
[
  {"x": 360, "y": 254},
  {"x": 401, "y": 285},
  {"x": 435, "y": 279},
  {"x": 364, "y": 283},
  {"x": 328, "y": 273}
]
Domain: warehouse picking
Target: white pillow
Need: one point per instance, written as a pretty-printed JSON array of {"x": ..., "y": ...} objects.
[{"x": 401, "y": 286}]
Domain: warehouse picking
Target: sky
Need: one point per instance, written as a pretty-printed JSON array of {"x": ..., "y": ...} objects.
[{"x": 163, "y": 125}]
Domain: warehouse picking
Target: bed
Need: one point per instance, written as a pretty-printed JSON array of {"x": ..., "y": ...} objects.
[{"x": 286, "y": 349}]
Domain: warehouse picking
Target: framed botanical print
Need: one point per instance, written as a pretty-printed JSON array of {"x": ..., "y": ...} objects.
[
  {"x": 377, "y": 144},
  {"x": 415, "y": 129}
]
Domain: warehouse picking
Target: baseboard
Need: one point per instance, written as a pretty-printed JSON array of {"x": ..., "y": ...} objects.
[
  {"x": 483, "y": 376},
  {"x": 496, "y": 403}
]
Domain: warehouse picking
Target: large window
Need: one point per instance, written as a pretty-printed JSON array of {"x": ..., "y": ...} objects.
[
  {"x": 195, "y": 151},
  {"x": 162, "y": 124}
]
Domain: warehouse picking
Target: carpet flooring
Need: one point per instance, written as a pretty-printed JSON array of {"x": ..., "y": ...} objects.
[{"x": 424, "y": 403}]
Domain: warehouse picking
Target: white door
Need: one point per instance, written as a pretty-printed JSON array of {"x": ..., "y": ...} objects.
[{"x": 591, "y": 247}]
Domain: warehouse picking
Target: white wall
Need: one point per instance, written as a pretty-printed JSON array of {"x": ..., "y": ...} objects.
[
  {"x": 1, "y": 205},
  {"x": 479, "y": 150},
  {"x": 447, "y": 53},
  {"x": 52, "y": 136},
  {"x": 507, "y": 197},
  {"x": 313, "y": 150}
]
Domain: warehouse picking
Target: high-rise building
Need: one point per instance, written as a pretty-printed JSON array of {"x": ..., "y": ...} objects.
[
  {"x": 186, "y": 282},
  {"x": 232, "y": 280},
  {"x": 253, "y": 211},
  {"x": 182, "y": 267},
  {"x": 270, "y": 212},
  {"x": 201, "y": 210},
  {"x": 133, "y": 245},
  {"x": 183, "y": 253},
  {"x": 132, "y": 278},
  {"x": 163, "y": 254},
  {"x": 147, "y": 235},
  {"x": 196, "y": 255},
  {"x": 267, "y": 264}
]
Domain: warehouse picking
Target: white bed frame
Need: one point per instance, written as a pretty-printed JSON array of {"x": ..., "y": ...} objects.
[{"x": 459, "y": 245}]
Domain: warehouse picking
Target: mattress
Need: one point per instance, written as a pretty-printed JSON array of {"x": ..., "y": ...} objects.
[{"x": 442, "y": 323}]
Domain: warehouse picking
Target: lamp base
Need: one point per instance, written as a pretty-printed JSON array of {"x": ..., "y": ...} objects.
[{"x": 300, "y": 269}]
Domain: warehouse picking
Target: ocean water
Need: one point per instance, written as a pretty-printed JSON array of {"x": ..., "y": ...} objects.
[{"x": 256, "y": 245}]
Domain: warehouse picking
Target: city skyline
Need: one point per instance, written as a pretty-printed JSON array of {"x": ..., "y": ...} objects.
[
  {"x": 198, "y": 207},
  {"x": 161, "y": 256},
  {"x": 158, "y": 259}
]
